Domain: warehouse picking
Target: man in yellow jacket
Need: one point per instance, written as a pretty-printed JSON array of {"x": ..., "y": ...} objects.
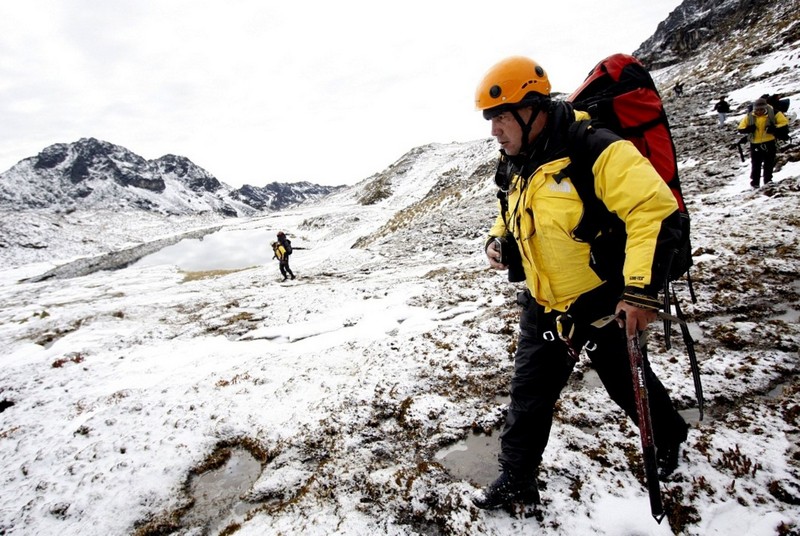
[
  {"x": 763, "y": 125},
  {"x": 570, "y": 284}
]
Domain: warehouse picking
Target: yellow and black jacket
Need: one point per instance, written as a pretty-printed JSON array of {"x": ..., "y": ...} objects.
[
  {"x": 544, "y": 209},
  {"x": 764, "y": 128}
]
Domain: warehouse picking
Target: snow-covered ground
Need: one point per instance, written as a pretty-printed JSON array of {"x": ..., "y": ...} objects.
[{"x": 121, "y": 389}]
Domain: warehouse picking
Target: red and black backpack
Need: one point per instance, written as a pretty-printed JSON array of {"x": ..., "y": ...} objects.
[{"x": 620, "y": 95}]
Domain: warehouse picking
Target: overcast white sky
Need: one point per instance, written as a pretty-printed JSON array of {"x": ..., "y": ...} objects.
[{"x": 256, "y": 91}]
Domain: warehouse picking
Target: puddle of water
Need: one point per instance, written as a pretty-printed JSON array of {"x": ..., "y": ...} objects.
[
  {"x": 692, "y": 415},
  {"x": 473, "y": 460},
  {"x": 222, "y": 250},
  {"x": 217, "y": 493},
  {"x": 777, "y": 391}
]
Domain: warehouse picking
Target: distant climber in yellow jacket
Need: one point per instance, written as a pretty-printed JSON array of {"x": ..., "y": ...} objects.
[{"x": 764, "y": 126}]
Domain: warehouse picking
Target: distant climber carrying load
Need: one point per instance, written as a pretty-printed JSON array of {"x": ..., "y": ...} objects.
[
  {"x": 282, "y": 249},
  {"x": 285, "y": 242},
  {"x": 763, "y": 126}
]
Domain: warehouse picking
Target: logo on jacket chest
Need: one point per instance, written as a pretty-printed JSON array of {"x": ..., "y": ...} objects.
[{"x": 563, "y": 187}]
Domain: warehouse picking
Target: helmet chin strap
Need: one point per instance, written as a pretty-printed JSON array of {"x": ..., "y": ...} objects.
[
  {"x": 527, "y": 146},
  {"x": 526, "y": 126}
]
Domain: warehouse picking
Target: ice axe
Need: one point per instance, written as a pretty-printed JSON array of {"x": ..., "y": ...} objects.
[
  {"x": 645, "y": 429},
  {"x": 643, "y": 420},
  {"x": 687, "y": 337}
]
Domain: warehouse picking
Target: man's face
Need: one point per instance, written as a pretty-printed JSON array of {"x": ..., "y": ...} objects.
[
  {"x": 759, "y": 111},
  {"x": 508, "y": 132}
]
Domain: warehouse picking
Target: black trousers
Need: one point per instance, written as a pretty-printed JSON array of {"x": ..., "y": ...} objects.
[
  {"x": 284, "y": 266},
  {"x": 542, "y": 367},
  {"x": 762, "y": 155}
]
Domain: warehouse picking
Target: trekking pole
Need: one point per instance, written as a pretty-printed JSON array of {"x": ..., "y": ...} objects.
[
  {"x": 645, "y": 429},
  {"x": 689, "y": 342}
]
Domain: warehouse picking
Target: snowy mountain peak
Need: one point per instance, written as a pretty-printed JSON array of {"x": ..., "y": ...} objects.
[
  {"x": 90, "y": 160},
  {"x": 92, "y": 174},
  {"x": 184, "y": 170}
]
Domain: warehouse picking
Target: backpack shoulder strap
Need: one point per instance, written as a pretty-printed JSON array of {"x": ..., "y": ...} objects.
[
  {"x": 579, "y": 169},
  {"x": 584, "y": 145}
]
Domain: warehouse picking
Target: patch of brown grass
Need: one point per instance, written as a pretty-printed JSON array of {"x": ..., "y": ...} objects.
[
  {"x": 208, "y": 274},
  {"x": 69, "y": 358}
]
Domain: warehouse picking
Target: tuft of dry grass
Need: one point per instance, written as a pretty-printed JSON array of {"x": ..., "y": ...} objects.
[{"x": 209, "y": 274}]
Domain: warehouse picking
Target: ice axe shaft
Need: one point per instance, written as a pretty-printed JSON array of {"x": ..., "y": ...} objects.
[
  {"x": 687, "y": 337},
  {"x": 645, "y": 429}
]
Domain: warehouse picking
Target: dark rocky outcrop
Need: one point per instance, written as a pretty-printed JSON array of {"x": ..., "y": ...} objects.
[{"x": 696, "y": 23}]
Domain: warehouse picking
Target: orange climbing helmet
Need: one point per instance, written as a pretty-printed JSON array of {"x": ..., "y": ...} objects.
[{"x": 512, "y": 83}]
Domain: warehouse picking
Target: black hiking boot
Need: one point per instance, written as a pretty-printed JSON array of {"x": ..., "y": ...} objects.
[
  {"x": 667, "y": 459},
  {"x": 508, "y": 489}
]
